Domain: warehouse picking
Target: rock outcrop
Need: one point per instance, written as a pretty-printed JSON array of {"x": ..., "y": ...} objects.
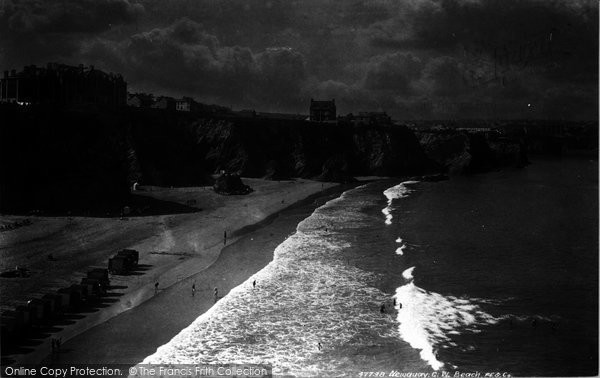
[
  {"x": 458, "y": 152},
  {"x": 230, "y": 183}
]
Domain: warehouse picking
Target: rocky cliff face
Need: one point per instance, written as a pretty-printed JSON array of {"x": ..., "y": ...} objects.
[
  {"x": 61, "y": 160},
  {"x": 458, "y": 152},
  {"x": 279, "y": 149}
]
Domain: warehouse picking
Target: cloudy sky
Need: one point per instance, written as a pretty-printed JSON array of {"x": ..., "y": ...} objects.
[{"x": 412, "y": 58}]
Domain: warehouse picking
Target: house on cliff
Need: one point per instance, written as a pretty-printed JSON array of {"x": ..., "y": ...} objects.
[
  {"x": 165, "y": 103},
  {"x": 323, "y": 111},
  {"x": 140, "y": 100},
  {"x": 186, "y": 104},
  {"x": 63, "y": 85}
]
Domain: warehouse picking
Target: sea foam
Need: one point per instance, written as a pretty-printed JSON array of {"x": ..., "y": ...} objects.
[
  {"x": 396, "y": 192},
  {"x": 308, "y": 295},
  {"x": 426, "y": 319}
]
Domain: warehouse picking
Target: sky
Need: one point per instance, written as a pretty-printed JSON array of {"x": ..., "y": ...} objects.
[{"x": 414, "y": 59}]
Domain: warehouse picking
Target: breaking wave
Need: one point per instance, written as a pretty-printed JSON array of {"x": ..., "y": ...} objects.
[{"x": 307, "y": 295}]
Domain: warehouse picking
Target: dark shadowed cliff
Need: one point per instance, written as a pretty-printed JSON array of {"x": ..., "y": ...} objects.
[
  {"x": 86, "y": 160},
  {"x": 458, "y": 152},
  {"x": 282, "y": 148},
  {"x": 54, "y": 160}
]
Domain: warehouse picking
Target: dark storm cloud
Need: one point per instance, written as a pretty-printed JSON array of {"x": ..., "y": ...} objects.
[
  {"x": 68, "y": 16},
  {"x": 443, "y": 77},
  {"x": 184, "y": 57},
  {"x": 505, "y": 32},
  {"x": 393, "y": 71},
  {"x": 35, "y": 31},
  {"x": 410, "y": 57},
  {"x": 504, "y": 52}
]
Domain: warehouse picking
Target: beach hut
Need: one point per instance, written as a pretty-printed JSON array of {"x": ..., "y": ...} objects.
[
  {"x": 93, "y": 287},
  {"x": 66, "y": 299},
  {"x": 9, "y": 326},
  {"x": 100, "y": 274},
  {"x": 118, "y": 265},
  {"x": 49, "y": 306},
  {"x": 132, "y": 255},
  {"x": 19, "y": 314},
  {"x": 83, "y": 291},
  {"x": 25, "y": 314},
  {"x": 39, "y": 311},
  {"x": 71, "y": 297},
  {"x": 55, "y": 301}
]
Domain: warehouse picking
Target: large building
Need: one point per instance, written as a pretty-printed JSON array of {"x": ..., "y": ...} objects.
[
  {"x": 62, "y": 85},
  {"x": 322, "y": 111},
  {"x": 186, "y": 104}
]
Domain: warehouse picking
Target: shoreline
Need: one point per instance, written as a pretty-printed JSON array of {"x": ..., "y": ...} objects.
[
  {"x": 133, "y": 335},
  {"x": 172, "y": 248}
]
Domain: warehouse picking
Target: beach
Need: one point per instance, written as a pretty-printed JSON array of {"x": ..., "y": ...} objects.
[{"x": 173, "y": 248}]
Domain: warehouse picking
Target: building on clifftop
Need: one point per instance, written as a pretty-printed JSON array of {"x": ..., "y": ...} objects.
[
  {"x": 322, "y": 111},
  {"x": 63, "y": 85}
]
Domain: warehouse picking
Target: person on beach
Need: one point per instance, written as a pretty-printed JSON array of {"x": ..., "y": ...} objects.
[
  {"x": 382, "y": 308},
  {"x": 216, "y": 294},
  {"x": 156, "y": 288},
  {"x": 319, "y": 346},
  {"x": 254, "y": 284},
  {"x": 224, "y": 237},
  {"x": 193, "y": 289}
]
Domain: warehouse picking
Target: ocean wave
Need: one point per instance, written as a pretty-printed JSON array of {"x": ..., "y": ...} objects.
[
  {"x": 307, "y": 295},
  {"x": 396, "y": 192},
  {"x": 426, "y": 319}
]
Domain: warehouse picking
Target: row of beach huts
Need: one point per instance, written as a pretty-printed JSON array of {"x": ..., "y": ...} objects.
[{"x": 20, "y": 321}]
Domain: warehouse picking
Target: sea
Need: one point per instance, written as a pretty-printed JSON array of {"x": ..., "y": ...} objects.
[{"x": 494, "y": 273}]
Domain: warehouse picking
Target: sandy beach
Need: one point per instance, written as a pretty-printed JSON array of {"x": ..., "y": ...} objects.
[
  {"x": 176, "y": 250},
  {"x": 131, "y": 336}
]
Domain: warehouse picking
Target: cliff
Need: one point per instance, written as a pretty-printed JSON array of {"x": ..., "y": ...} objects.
[
  {"x": 55, "y": 161},
  {"x": 282, "y": 148},
  {"x": 86, "y": 160},
  {"x": 458, "y": 152}
]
